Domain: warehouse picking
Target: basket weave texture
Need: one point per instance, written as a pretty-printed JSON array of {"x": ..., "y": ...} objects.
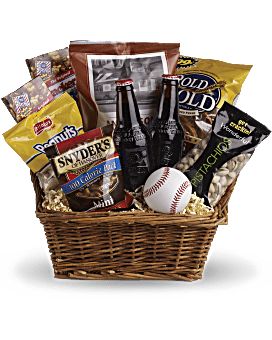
[{"x": 129, "y": 245}]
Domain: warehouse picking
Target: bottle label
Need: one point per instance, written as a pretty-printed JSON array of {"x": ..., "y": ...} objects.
[
  {"x": 133, "y": 135},
  {"x": 167, "y": 139},
  {"x": 109, "y": 118},
  {"x": 169, "y": 127},
  {"x": 166, "y": 154},
  {"x": 136, "y": 161}
]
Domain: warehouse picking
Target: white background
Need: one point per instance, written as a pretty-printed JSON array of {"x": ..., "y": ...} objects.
[{"x": 233, "y": 300}]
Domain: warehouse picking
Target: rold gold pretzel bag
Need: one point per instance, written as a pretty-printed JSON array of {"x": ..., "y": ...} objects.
[{"x": 204, "y": 85}]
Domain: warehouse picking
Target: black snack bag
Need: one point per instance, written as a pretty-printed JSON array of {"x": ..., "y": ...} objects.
[
  {"x": 89, "y": 170},
  {"x": 216, "y": 162}
]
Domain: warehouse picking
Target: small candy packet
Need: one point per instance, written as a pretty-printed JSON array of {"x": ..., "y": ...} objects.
[
  {"x": 56, "y": 71},
  {"x": 217, "y": 160},
  {"x": 29, "y": 98}
]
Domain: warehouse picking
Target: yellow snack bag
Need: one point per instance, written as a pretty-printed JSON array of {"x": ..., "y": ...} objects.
[
  {"x": 204, "y": 85},
  {"x": 54, "y": 123}
]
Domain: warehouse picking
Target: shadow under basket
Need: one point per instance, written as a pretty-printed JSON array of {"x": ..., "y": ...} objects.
[{"x": 129, "y": 245}]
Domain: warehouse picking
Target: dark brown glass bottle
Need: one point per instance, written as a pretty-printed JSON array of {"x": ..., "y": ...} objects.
[
  {"x": 131, "y": 137},
  {"x": 166, "y": 131}
]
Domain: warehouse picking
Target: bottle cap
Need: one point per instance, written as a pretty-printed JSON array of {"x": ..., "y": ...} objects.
[
  {"x": 124, "y": 82},
  {"x": 170, "y": 76}
]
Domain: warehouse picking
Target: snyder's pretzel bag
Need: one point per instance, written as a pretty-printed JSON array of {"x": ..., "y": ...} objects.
[
  {"x": 98, "y": 65},
  {"x": 89, "y": 170},
  {"x": 217, "y": 160},
  {"x": 56, "y": 71},
  {"x": 56, "y": 122},
  {"x": 29, "y": 98},
  {"x": 203, "y": 87}
]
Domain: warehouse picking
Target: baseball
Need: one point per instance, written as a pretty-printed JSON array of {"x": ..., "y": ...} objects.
[{"x": 167, "y": 190}]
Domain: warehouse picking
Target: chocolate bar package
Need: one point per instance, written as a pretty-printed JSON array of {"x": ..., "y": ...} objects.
[
  {"x": 29, "y": 98},
  {"x": 56, "y": 71},
  {"x": 217, "y": 160},
  {"x": 99, "y": 65},
  {"x": 56, "y": 122},
  {"x": 89, "y": 170},
  {"x": 203, "y": 87}
]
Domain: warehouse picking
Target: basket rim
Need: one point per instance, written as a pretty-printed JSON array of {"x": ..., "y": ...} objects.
[
  {"x": 183, "y": 220},
  {"x": 218, "y": 216}
]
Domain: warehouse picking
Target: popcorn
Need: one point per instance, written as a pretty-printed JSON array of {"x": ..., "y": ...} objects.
[
  {"x": 55, "y": 200},
  {"x": 196, "y": 206}
]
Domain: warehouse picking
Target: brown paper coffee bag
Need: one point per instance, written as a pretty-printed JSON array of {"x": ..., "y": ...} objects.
[{"x": 99, "y": 65}]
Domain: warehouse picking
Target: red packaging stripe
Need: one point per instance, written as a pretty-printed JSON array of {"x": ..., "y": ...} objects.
[{"x": 70, "y": 143}]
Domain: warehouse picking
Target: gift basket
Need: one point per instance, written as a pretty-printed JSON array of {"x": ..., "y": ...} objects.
[
  {"x": 129, "y": 245},
  {"x": 134, "y": 152}
]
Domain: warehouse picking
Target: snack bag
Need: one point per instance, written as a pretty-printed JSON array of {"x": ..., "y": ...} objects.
[
  {"x": 89, "y": 170},
  {"x": 203, "y": 87},
  {"x": 99, "y": 65},
  {"x": 217, "y": 160},
  {"x": 29, "y": 98},
  {"x": 56, "y": 122},
  {"x": 56, "y": 71}
]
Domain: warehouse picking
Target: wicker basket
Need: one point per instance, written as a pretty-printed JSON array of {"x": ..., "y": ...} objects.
[{"x": 129, "y": 245}]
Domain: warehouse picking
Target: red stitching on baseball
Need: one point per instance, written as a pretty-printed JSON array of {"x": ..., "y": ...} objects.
[
  {"x": 177, "y": 197},
  {"x": 155, "y": 187}
]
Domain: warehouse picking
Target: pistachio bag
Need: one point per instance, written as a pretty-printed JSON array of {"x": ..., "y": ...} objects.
[{"x": 215, "y": 163}]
